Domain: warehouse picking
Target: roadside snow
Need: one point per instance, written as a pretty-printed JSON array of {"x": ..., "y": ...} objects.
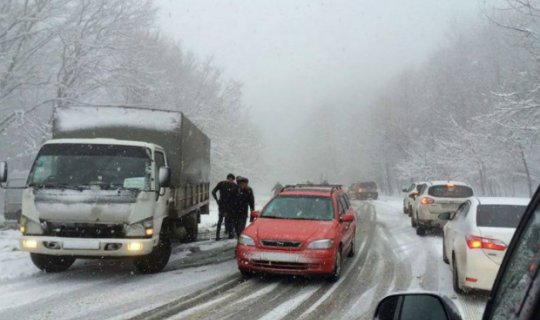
[{"x": 14, "y": 263}]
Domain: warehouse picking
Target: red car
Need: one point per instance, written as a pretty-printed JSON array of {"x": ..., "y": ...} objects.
[{"x": 304, "y": 230}]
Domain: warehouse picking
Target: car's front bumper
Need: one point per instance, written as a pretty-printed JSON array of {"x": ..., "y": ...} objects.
[
  {"x": 297, "y": 262},
  {"x": 84, "y": 247}
]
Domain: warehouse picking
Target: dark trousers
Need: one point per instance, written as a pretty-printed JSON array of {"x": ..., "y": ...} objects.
[
  {"x": 240, "y": 224},
  {"x": 222, "y": 217}
]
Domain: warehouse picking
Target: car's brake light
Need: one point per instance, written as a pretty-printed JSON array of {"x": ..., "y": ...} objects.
[
  {"x": 475, "y": 242},
  {"x": 426, "y": 200}
]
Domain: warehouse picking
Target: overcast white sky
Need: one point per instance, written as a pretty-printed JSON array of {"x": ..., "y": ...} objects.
[{"x": 295, "y": 55}]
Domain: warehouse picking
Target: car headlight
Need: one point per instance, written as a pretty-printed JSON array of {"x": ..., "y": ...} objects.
[
  {"x": 321, "y": 244},
  {"x": 247, "y": 241}
]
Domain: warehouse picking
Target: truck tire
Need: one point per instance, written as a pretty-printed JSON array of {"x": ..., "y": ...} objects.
[
  {"x": 191, "y": 224},
  {"x": 50, "y": 263},
  {"x": 156, "y": 260},
  {"x": 420, "y": 230}
]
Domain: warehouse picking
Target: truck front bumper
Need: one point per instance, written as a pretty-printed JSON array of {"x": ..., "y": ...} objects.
[{"x": 84, "y": 247}]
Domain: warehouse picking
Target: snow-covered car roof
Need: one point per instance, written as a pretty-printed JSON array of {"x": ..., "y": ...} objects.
[
  {"x": 445, "y": 182},
  {"x": 503, "y": 201}
]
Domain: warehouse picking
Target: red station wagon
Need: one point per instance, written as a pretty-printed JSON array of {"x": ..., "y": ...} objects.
[{"x": 304, "y": 230}]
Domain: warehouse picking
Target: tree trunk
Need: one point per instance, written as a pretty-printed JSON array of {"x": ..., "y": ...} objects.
[{"x": 526, "y": 166}]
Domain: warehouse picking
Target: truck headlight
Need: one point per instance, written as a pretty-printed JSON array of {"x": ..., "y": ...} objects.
[
  {"x": 245, "y": 240},
  {"x": 141, "y": 229},
  {"x": 321, "y": 244},
  {"x": 29, "y": 243},
  {"x": 27, "y": 226},
  {"x": 135, "y": 246}
]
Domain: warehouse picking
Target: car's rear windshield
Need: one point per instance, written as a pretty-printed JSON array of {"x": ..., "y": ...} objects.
[
  {"x": 450, "y": 191},
  {"x": 368, "y": 185},
  {"x": 299, "y": 208},
  {"x": 499, "y": 216}
]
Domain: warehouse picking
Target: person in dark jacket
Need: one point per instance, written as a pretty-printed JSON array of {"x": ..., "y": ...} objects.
[
  {"x": 227, "y": 191},
  {"x": 244, "y": 202}
]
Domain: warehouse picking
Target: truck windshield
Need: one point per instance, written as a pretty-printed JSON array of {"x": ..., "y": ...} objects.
[{"x": 84, "y": 165}]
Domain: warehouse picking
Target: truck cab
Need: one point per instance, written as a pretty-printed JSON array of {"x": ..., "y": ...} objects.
[{"x": 95, "y": 197}]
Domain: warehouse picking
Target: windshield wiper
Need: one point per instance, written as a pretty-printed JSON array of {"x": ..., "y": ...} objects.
[
  {"x": 273, "y": 217},
  {"x": 57, "y": 186}
]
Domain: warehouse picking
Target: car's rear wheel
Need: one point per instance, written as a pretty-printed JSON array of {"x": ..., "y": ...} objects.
[
  {"x": 413, "y": 221},
  {"x": 50, "y": 263},
  {"x": 455, "y": 277},
  {"x": 444, "y": 257},
  {"x": 351, "y": 252},
  {"x": 336, "y": 274},
  {"x": 420, "y": 230}
]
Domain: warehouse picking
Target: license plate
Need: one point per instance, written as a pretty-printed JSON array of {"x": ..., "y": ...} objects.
[
  {"x": 81, "y": 244},
  {"x": 279, "y": 257}
]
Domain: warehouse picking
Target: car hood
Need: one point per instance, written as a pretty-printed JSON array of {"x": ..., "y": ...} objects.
[{"x": 290, "y": 230}]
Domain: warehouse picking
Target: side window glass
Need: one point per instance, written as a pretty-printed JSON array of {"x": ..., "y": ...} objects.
[
  {"x": 520, "y": 271},
  {"x": 346, "y": 202},
  {"x": 340, "y": 206}
]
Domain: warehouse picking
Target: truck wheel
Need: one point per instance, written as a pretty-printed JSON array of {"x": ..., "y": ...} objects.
[
  {"x": 420, "y": 230},
  {"x": 156, "y": 260},
  {"x": 336, "y": 274},
  {"x": 50, "y": 263},
  {"x": 191, "y": 225}
]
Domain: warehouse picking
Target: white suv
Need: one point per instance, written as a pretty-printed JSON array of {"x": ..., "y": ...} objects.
[
  {"x": 410, "y": 195},
  {"x": 434, "y": 198}
]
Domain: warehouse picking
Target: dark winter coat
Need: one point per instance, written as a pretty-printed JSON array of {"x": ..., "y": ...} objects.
[
  {"x": 244, "y": 200},
  {"x": 227, "y": 195}
]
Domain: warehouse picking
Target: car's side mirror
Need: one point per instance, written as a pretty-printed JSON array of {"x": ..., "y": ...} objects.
[
  {"x": 445, "y": 216},
  {"x": 254, "y": 216},
  {"x": 348, "y": 217},
  {"x": 3, "y": 172},
  {"x": 413, "y": 195},
  {"x": 416, "y": 306},
  {"x": 164, "y": 177}
]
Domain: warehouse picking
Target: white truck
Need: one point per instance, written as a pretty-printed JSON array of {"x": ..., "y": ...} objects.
[{"x": 118, "y": 182}]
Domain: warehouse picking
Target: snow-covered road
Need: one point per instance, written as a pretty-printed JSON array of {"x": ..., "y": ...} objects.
[{"x": 201, "y": 281}]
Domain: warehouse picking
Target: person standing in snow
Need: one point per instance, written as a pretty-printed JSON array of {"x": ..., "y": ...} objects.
[
  {"x": 243, "y": 204},
  {"x": 227, "y": 190}
]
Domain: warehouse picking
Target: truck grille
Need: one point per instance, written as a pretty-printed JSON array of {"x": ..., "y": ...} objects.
[
  {"x": 85, "y": 230},
  {"x": 281, "y": 244}
]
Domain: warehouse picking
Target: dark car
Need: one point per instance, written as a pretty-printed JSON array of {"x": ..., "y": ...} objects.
[
  {"x": 515, "y": 294},
  {"x": 364, "y": 190}
]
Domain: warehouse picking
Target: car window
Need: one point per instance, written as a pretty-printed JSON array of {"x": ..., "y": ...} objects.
[
  {"x": 461, "y": 212},
  {"x": 499, "y": 216},
  {"x": 346, "y": 201},
  {"x": 341, "y": 207},
  {"x": 519, "y": 272},
  {"x": 450, "y": 191},
  {"x": 299, "y": 208}
]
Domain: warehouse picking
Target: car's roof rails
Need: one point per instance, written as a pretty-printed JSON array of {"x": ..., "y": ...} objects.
[{"x": 314, "y": 186}]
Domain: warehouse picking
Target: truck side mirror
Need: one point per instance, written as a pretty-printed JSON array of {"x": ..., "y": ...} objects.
[
  {"x": 164, "y": 177},
  {"x": 3, "y": 172},
  {"x": 416, "y": 306}
]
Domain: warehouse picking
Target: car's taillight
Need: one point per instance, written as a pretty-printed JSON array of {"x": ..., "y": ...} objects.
[
  {"x": 426, "y": 200},
  {"x": 475, "y": 242}
]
